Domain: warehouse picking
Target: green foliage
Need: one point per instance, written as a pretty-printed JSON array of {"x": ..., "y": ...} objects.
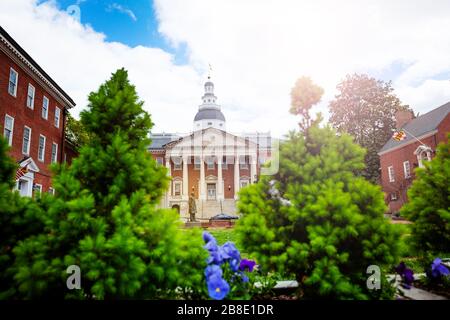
[
  {"x": 365, "y": 108},
  {"x": 429, "y": 204},
  {"x": 17, "y": 220},
  {"x": 104, "y": 216},
  {"x": 304, "y": 95},
  {"x": 76, "y": 133},
  {"x": 316, "y": 219}
]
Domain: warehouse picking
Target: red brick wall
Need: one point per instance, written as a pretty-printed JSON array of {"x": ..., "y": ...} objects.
[
  {"x": 16, "y": 108},
  {"x": 396, "y": 158}
]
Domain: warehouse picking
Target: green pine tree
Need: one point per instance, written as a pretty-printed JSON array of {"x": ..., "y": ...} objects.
[
  {"x": 316, "y": 219},
  {"x": 17, "y": 220},
  {"x": 429, "y": 204},
  {"x": 104, "y": 217}
]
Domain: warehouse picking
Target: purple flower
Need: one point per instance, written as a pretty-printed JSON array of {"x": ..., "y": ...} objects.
[
  {"x": 208, "y": 237},
  {"x": 247, "y": 265},
  {"x": 213, "y": 270},
  {"x": 218, "y": 288},
  {"x": 234, "y": 265},
  {"x": 406, "y": 274},
  {"x": 438, "y": 269}
]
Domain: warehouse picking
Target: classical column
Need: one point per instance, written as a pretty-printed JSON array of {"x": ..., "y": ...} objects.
[
  {"x": 202, "y": 179},
  {"x": 185, "y": 178},
  {"x": 220, "y": 190},
  {"x": 253, "y": 169},
  {"x": 169, "y": 173},
  {"x": 236, "y": 176}
]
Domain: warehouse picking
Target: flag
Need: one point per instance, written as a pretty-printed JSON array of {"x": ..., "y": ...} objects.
[
  {"x": 21, "y": 172},
  {"x": 399, "y": 135}
]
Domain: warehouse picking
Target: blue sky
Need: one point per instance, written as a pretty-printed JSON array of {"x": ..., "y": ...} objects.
[
  {"x": 132, "y": 23},
  {"x": 257, "y": 48}
]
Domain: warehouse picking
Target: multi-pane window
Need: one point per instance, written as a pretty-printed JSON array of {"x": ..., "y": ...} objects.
[
  {"x": 391, "y": 174},
  {"x": 176, "y": 163},
  {"x": 177, "y": 188},
  {"x": 41, "y": 149},
  {"x": 160, "y": 160},
  {"x": 57, "y": 116},
  {"x": 12, "y": 84},
  {"x": 45, "y": 108},
  {"x": 243, "y": 162},
  {"x": 26, "y": 140},
  {"x": 51, "y": 191},
  {"x": 407, "y": 169},
  {"x": 37, "y": 189},
  {"x": 8, "y": 129},
  {"x": 54, "y": 152},
  {"x": 210, "y": 163},
  {"x": 30, "y": 96},
  {"x": 197, "y": 163}
]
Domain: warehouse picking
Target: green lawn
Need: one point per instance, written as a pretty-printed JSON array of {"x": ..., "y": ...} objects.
[{"x": 228, "y": 234}]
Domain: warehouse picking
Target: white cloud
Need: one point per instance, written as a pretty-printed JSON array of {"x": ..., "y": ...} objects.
[
  {"x": 122, "y": 9},
  {"x": 257, "y": 50}
]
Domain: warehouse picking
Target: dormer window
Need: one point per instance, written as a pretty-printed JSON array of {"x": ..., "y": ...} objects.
[{"x": 423, "y": 153}]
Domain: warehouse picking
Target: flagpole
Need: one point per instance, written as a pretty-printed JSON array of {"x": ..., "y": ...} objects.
[{"x": 413, "y": 136}]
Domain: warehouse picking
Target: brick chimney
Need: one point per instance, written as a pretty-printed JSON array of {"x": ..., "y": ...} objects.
[{"x": 402, "y": 117}]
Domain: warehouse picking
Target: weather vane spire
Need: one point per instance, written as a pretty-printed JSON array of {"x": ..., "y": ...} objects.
[{"x": 209, "y": 70}]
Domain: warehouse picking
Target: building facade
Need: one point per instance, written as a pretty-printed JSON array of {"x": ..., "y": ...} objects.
[
  {"x": 210, "y": 164},
  {"x": 398, "y": 159},
  {"x": 33, "y": 112}
]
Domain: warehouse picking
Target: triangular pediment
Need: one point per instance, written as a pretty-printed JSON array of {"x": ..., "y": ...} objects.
[
  {"x": 29, "y": 164},
  {"x": 212, "y": 139}
]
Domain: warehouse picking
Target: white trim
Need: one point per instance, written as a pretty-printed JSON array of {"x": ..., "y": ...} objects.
[
  {"x": 39, "y": 147},
  {"x": 27, "y": 153},
  {"x": 37, "y": 186},
  {"x": 28, "y": 95},
  {"x": 12, "y": 129},
  {"x": 17, "y": 57},
  {"x": 426, "y": 135},
  {"x": 54, "y": 160},
  {"x": 11, "y": 69},
  {"x": 48, "y": 106},
  {"x": 391, "y": 174},
  {"x": 51, "y": 190},
  {"x": 406, "y": 169},
  {"x": 175, "y": 183},
  {"x": 57, "y": 112}
]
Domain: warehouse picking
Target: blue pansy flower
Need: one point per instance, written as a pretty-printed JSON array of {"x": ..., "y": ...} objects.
[
  {"x": 218, "y": 288},
  {"x": 207, "y": 237},
  {"x": 213, "y": 270},
  {"x": 438, "y": 269},
  {"x": 247, "y": 265},
  {"x": 234, "y": 265},
  {"x": 231, "y": 252}
]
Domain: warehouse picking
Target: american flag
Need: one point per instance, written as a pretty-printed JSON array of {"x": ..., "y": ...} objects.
[
  {"x": 399, "y": 135},
  {"x": 21, "y": 172}
]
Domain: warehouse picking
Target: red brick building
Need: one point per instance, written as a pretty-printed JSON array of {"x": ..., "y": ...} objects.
[
  {"x": 33, "y": 112},
  {"x": 210, "y": 163},
  {"x": 398, "y": 159}
]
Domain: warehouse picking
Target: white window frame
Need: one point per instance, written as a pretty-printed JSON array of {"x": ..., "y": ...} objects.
[
  {"x": 160, "y": 160},
  {"x": 57, "y": 116},
  {"x": 16, "y": 84},
  {"x": 51, "y": 191},
  {"x": 31, "y": 104},
  {"x": 177, "y": 163},
  {"x": 39, "y": 186},
  {"x": 391, "y": 173},
  {"x": 54, "y": 157},
  {"x": 197, "y": 163},
  {"x": 177, "y": 183},
  {"x": 43, "y": 149},
  {"x": 7, "y": 116},
  {"x": 45, "y": 115},
  {"x": 243, "y": 164},
  {"x": 407, "y": 169},
  {"x": 210, "y": 165},
  {"x": 394, "y": 196},
  {"x": 243, "y": 183},
  {"x": 28, "y": 145}
]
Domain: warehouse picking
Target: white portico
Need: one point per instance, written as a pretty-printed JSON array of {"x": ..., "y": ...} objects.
[{"x": 210, "y": 163}]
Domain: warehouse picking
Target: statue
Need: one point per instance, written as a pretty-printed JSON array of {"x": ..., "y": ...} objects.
[{"x": 192, "y": 208}]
